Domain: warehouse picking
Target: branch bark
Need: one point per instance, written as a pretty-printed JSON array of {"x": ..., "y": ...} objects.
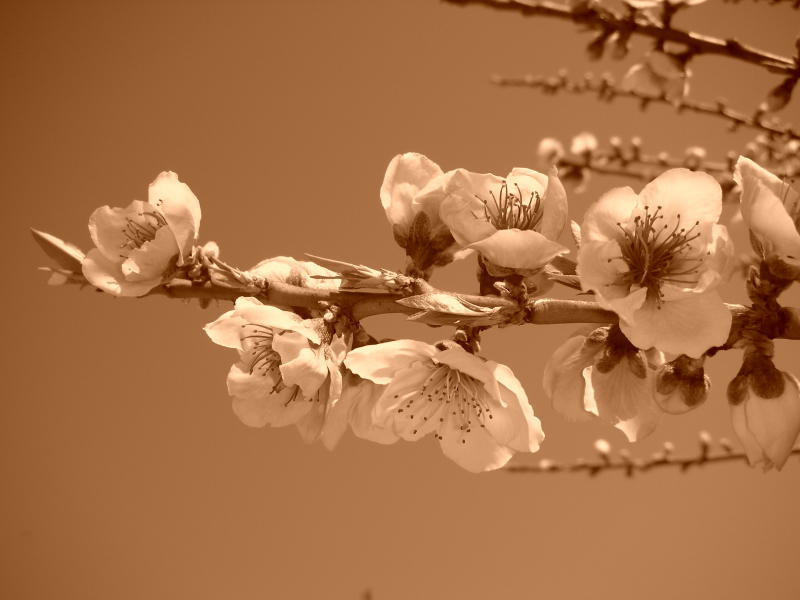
[{"x": 597, "y": 17}]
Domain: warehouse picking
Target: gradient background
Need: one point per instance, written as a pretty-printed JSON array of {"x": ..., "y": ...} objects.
[{"x": 125, "y": 474}]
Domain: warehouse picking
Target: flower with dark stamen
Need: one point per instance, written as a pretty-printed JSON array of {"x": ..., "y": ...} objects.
[
  {"x": 656, "y": 258},
  {"x": 513, "y": 222},
  {"x": 137, "y": 247},
  {"x": 476, "y": 409},
  {"x": 288, "y": 372}
]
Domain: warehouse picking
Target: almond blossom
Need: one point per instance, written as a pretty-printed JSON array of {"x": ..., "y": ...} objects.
[
  {"x": 288, "y": 372},
  {"x": 411, "y": 193},
  {"x": 765, "y": 411},
  {"x": 597, "y": 373},
  {"x": 771, "y": 209},
  {"x": 137, "y": 247},
  {"x": 513, "y": 222},
  {"x": 476, "y": 409},
  {"x": 656, "y": 259}
]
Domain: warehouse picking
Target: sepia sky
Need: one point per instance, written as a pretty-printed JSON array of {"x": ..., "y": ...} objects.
[{"x": 126, "y": 476}]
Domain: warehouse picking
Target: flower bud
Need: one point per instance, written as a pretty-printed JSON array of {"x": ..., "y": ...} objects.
[
  {"x": 681, "y": 385},
  {"x": 550, "y": 150},
  {"x": 765, "y": 411}
]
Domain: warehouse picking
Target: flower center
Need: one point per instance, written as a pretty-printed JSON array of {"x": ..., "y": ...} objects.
[
  {"x": 262, "y": 360},
  {"x": 656, "y": 254},
  {"x": 142, "y": 229},
  {"x": 508, "y": 210},
  {"x": 449, "y": 397}
]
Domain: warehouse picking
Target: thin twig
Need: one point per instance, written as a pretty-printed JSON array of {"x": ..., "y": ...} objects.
[
  {"x": 596, "y": 16},
  {"x": 607, "y": 90},
  {"x": 633, "y": 466}
]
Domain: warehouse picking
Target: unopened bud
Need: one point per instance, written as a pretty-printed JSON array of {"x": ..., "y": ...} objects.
[{"x": 681, "y": 385}]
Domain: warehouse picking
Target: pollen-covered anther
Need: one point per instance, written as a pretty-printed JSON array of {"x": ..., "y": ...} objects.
[
  {"x": 656, "y": 254},
  {"x": 143, "y": 229},
  {"x": 508, "y": 210},
  {"x": 448, "y": 396}
]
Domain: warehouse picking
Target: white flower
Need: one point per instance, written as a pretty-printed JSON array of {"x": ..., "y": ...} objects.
[
  {"x": 476, "y": 409},
  {"x": 288, "y": 371},
  {"x": 513, "y": 222},
  {"x": 411, "y": 194},
  {"x": 598, "y": 373},
  {"x": 771, "y": 209},
  {"x": 765, "y": 412},
  {"x": 656, "y": 258},
  {"x": 139, "y": 246},
  {"x": 659, "y": 75}
]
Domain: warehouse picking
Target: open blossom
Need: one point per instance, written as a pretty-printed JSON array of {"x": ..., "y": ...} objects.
[
  {"x": 765, "y": 411},
  {"x": 477, "y": 409},
  {"x": 288, "y": 372},
  {"x": 599, "y": 374},
  {"x": 656, "y": 258},
  {"x": 512, "y": 222},
  {"x": 138, "y": 246},
  {"x": 771, "y": 209},
  {"x": 411, "y": 194}
]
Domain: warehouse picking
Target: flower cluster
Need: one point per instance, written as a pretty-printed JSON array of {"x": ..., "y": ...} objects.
[
  {"x": 653, "y": 261},
  {"x": 513, "y": 222}
]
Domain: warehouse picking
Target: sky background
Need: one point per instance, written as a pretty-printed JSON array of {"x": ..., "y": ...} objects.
[{"x": 125, "y": 473}]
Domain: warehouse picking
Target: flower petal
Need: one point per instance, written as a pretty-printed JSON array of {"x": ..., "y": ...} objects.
[
  {"x": 107, "y": 275},
  {"x": 301, "y": 365},
  {"x": 685, "y": 196},
  {"x": 153, "y": 259},
  {"x": 464, "y": 208},
  {"x": 775, "y": 422},
  {"x": 476, "y": 451},
  {"x": 459, "y": 359},
  {"x": 405, "y": 176},
  {"x": 180, "y": 208},
  {"x": 555, "y": 210},
  {"x": 257, "y": 402},
  {"x": 398, "y": 405},
  {"x": 519, "y": 249},
  {"x": 688, "y": 326},
  {"x": 563, "y": 378},
  {"x": 359, "y": 397},
  {"x": 763, "y": 208},
  {"x": 623, "y": 399},
  {"x": 755, "y": 455},
  {"x": 602, "y": 219},
  {"x": 108, "y": 227},
  {"x": 380, "y": 363},
  {"x": 513, "y": 424}
]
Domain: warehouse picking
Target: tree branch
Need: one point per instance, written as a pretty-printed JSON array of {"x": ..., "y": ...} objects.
[
  {"x": 605, "y": 89},
  {"x": 597, "y": 17}
]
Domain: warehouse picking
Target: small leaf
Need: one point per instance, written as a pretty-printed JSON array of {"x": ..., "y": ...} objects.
[{"x": 67, "y": 255}]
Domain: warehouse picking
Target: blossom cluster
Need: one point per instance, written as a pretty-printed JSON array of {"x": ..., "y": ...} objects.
[{"x": 655, "y": 259}]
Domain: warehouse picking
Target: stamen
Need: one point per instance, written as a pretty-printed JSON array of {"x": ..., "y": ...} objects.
[
  {"x": 455, "y": 397},
  {"x": 656, "y": 254},
  {"x": 142, "y": 230},
  {"x": 509, "y": 211}
]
